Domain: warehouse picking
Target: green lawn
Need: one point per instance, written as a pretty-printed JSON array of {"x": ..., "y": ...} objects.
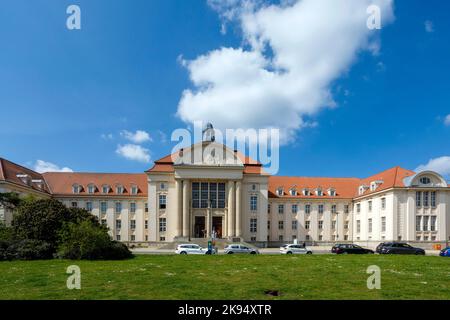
[{"x": 230, "y": 277}]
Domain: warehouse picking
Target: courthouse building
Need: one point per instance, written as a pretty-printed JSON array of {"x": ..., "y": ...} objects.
[{"x": 209, "y": 190}]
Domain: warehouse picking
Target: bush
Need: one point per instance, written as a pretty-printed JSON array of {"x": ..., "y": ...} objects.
[
  {"x": 87, "y": 240},
  {"x": 6, "y": 233},
  {"x": 25, "y": 250}
]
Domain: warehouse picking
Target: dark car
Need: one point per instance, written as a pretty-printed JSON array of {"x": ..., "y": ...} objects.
[
  {"x": 445, "y": 252},
  {"x": 349, "y": 249},
  {"x": 398, "y": 248}
]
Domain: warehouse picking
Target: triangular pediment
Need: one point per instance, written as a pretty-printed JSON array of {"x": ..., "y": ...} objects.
[{"x": 208, "y": 154}]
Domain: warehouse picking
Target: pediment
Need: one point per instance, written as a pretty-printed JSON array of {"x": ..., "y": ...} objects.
[{"x": 208, "y": 154}]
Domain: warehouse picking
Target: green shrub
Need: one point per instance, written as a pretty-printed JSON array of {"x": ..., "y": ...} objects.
[
  {"x": 6, "y": 233},
  {"x": 87, "y": 240},
  {"x": 25, "y": 250}
]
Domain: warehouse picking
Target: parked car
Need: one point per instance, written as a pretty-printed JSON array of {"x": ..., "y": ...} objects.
[
  {"x": 398, "y": 248},
  {"x": 193, "y": 249},
  {"x": 294, "y": 249},
  {"x": 350, "y": 249},
  {"x": 445, "y": 252},
  {"x": 239, "y": 248}
]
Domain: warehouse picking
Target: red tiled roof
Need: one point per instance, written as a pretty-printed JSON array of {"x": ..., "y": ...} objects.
[
  {"x": 9, "y": 171},
  {"x": 61, "y": 183},
  {"x": 390, "y": 178}
]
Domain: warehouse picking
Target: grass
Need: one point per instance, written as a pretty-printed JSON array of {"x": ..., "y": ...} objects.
[{"x": 230, "y": 277}]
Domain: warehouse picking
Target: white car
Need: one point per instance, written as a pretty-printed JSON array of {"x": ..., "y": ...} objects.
[
  {"x": 193, "y": 249},
  {"x": 239, "y": 248},
  {"x": 294, "y": 249}
]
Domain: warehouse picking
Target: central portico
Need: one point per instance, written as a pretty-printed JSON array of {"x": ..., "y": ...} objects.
[{"x": 199, "y": 193}]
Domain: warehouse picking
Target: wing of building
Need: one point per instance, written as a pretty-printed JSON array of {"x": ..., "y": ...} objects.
[{"x": 209, "y": 190}]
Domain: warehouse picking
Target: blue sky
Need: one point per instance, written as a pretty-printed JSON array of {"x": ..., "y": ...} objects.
[{"x": 65, "y": 96}]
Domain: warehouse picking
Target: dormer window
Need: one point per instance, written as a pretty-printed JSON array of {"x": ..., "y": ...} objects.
[
  {"x": 332, "y": 192},
  {"x": 134, "y": 189},
  {"x": 425, "y": 180},
  {"x": 76, "y": 188},
  {"x": 38, "y": 182},
  {"x": 293, "y": 192},
  {"x": 362, "y": 189},
  {"x": 280, "y": 191},
  {"x": 319, "y": 192},
  {"x": 374, "y": 185},
  {"x": 119, "y": 189},
  {"x": 91, "y": 188},
  {"x": 306, "y": 192},
  {"x": 105, "y": 189},
  {"x": 25, "y": 178}
]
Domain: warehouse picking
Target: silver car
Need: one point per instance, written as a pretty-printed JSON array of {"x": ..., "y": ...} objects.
[
  {"x": 294, "y": 249},
  {"x": 239, "y": 248},
  {"x": 193, "y": 249}
]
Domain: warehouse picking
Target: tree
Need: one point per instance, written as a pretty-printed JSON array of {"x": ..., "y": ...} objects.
[{"x": 10, "y": 200}]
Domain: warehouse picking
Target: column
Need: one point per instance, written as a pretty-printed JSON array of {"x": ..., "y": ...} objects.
[
  {"x": 238, "y": 210},
  {"x": 186, "y": 208},
  {"x": 208, "y": 223},
  {"x": 230, "y": 215},
  {"x": 178, "y": 221}
]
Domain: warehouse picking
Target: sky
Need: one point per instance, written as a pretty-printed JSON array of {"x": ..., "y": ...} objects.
[{"x": 348, "y": 101}]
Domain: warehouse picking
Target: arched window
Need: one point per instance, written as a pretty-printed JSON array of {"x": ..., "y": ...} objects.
[
  {"x": 425, "y": 180},
  {"x": 105, "y": 189},
  {"x": 91, "y": 188},
  {"x": 76, "y": 188}
]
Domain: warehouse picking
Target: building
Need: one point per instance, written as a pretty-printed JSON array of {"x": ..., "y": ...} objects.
[{"x": 209, "y": 190}]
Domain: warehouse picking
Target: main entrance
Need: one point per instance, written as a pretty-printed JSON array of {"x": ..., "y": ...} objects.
[
  {"x": 200, "y": 227},
  {"x": 217, "y": 226}
]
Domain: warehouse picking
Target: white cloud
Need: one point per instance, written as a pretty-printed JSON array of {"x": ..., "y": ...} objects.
[
  {"x": 447, "y": 120},
  {"x": 139, "y": 136},
  {"x": 42, "y": 166},
  {"x": 134, "y": 152},
  {"x": 440, "y": 165},
  {"x": 291, "y": 55},
  {"x": 107, "y": 136},
  {"x": 429, "y": 26}
]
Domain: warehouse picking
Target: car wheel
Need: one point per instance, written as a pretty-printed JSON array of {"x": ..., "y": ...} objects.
[
  {"x": 289, "y": 252},
  {"x": 208, "y": 252},
  {"x": 309, "y": 252},
  {"x": 253, "y": 252},
  {"x": 230, "y": 252},
  {"x": 183, "y": 252},
  {"x": 420, "y": 253}
]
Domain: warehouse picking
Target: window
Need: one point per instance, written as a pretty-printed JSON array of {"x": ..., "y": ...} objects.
[
  {"x": 320, "y": 237},
  {"x": 358, "y": 207},
  {"x": 253, "y": 203},
  {"x": 91, "y": 189},
  {"x": 280, "y": 191},
  {"x": 370, "y": 206},
  {"x": 268, "y": 224},
  {"x": 118, "y": 207},
  {"x": 358, "y": 226},
  {"x": 74, "y": 204},
  {"x": 133, "y": 207},
  {"x": 162, "y": 225},
  {"x": 320, "y": 208},
  {"x": 105, "y": 189},
  {"x": 425, "y": 223},
  {"x": 146, "y": 238},
  {"x": 103, "y": 207},
  {"x": 162, "y": 186},
  {"x": 426, "y": 195},
  {"x": 146, "y": 207},
  {"x": 308, "y": 209},
  {"x": 133, "y": 237},
  {"x": 134, "y": 190},
  {"x": 383, "y": 224},
  {"x": 89, "y": 206},
  {"x": 280, "y": 225},
  {"x": 345, "y": 237},
  {"x": 425, "y": 180},
  {"x": 332, "y": 192},
  {"x": 307, "y": 225},
  {"x": 433, "y": 198},
  {"x": 254, "y": 187},
  {"x": 346, "y": 208},
  {"x": 146, "y": 224},
  {"x": 307, "y": 238},
  {"x": 346, "y": 225},
  {"x": 162, "y": 238},
  {"x": 383, "y": 203},
  {"x": 294, "y": 237},
  {"x": 118, "y": 224},
  {"x": 333, "y": 208},
  {"x": 252, "y": 238},
  {"x": 418, "y": 198},
  {"x": 253, "y": 225},
  {"x": 418, "y": 223},
  {"x": 319, "y": 192},
  {"x": 76, "y": 188},
  {"x": 433, "y": 223},
  {"x": 162, "y": 201},
  {"x": 320, "y": 224},
  {"x": 293, "y": 192},
  {"x": 206, "y": 194},
  {"x": 118, "y": 237},
  {"x": 280, "y": 237},
  {"x": 294, "y": 225},
  {"x": 333, "y": 224},
  {"x": 132, "y": 224},
  {"x": 268, "y": 208},
  {"x": 306, "y": 192},
  {"x": 294, "y": 208},
  {"x": 119, "y": 189},
  {"x": 370, "y": 225},
  {"x": 281, "y": 208}
]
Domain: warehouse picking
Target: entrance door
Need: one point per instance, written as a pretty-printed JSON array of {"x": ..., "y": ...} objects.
[
  {"x": 199, "y": 227},
  {"x": 217, "y": 226}
]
